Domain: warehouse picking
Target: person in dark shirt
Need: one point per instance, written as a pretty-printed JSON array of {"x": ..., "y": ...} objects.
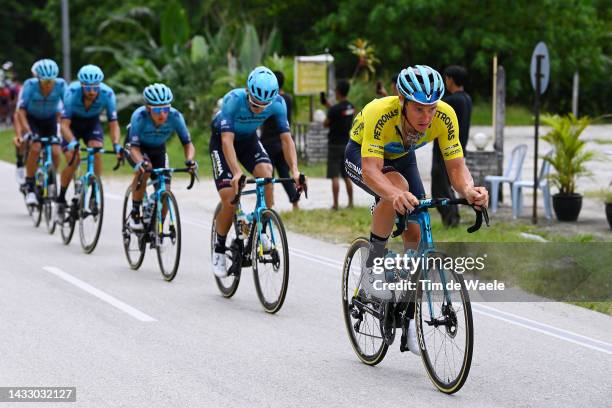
[
  {"x": 454, "y": 80},
  {"x": 271, "y": 142},
  {"x": 339, "y": 121}
]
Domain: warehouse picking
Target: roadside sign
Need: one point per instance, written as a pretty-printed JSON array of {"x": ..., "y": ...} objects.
[
  {"x": 540, "y": 51},
  {"x": 311, "y": 74}
]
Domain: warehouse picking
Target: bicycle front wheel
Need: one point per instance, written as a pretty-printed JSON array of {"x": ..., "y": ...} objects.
[
  {"x": 168, "y": 235},
  {"x": 445, "y": 332},
  {"x": 91, "y": 213},
  {"x": 271, "y": 261},
  {"x": 49, "y": 201},
  {"x": 228, "y": 285},
  {"x": 361, "y": 314},
  {"x": 36, "y": 210},
  {"x": 133, "y": 243},
  {"x": 70, "y": 216}
]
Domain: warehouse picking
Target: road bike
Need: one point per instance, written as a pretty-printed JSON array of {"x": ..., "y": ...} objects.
[
  {"x": 161, "y": 221},
  {"x": 257, "y": 239},
  {"x": 442, "y": 313},
  {"x": 86, "y": 206},
  {"x": 45, "y": 182}
]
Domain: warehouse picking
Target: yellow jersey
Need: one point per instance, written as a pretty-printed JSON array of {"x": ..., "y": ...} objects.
[{"x": 377, "y": 128}]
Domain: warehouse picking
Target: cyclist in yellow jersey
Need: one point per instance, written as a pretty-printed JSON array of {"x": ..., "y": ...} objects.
[{"x": 380, "y": 156}]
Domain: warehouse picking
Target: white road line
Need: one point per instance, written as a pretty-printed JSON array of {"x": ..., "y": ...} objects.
[
  {"x": 476, "y": 307},
  {"x": 135, "y": 313}
]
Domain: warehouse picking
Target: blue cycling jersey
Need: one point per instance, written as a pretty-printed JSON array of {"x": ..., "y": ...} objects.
[
  {"x": 74, "y": 106},
  {"x": 143, "y": 131},
  {"x": 236, "y": 117},
  {"x": 38, "y": 106}
]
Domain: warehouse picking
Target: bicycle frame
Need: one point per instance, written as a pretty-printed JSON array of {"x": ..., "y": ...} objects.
[
  {"x": 89, "y": 164},
  {"x": 260, "y": 206},
  {"x": 157, "y": 194},
  {"x": 45, "y": 160}
]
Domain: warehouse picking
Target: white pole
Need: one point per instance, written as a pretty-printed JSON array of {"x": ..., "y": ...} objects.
[
  {"x": 66, "y": 39},
  {"x": 575, "y": 85},
  {"x": 494, "y": 110}
]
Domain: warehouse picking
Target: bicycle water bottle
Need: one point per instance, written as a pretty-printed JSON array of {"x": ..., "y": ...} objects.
[
  {"x": 147, "y": 212},
  {"x": 390, "y": 275},
  {"x": 51, "y": 191},
  {"x": 78, "y": 185},
  {"x": 242, "y": 221}
]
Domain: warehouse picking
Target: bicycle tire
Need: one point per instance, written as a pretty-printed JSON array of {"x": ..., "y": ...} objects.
[
  {"x": 68, "y": 225},
  {"x": 36, "y": 210},
  {"x": 258, "y": 256},
  {"x": 442, "y": 381},
  {"x": 92, "y": 181},
  {"x": 48, "y": 202},
  {"x": 228, "y": 285},
  {"x": 168, "y": 271},
  {"x": 128, "y": 236},
  {"x": 350, "y": 277}
]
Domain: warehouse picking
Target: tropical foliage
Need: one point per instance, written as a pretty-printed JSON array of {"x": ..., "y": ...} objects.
[{"x": 569, "y": 158}]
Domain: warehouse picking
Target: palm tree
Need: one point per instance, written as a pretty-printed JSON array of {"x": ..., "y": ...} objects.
[{"x": 366, "y": 58}]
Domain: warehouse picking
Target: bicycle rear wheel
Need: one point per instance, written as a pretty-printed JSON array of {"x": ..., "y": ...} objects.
[
  {"x": 133, "y": 243},
  {"x": 360, "y": 314},
  {"x": 168, "y": 235},
  {"x": 444, "y": 326},
  {"x": 228, "y": 285},
  {"x": 271, "y": 261},
  {"x": 91, "y": 213}
]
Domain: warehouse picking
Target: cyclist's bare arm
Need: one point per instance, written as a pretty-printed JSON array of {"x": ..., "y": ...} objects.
[
  {"x": 66, "y": 132},
  {"x": 289, "y": 153},
  {"x": 463, "y": 183},
  {"x": 23, "y": 120},
  {"x": 227, "y": 144},
  {"x": 189, "y": 151},
  {"x": 115, "y": 133}
]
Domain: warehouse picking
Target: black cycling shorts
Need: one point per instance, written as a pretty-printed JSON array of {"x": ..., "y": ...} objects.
[
  {"x": 157, "y": 156},
  {"x": 250, "y": 152},
  {"x": 43, "y": 128},
  {"x": 405, "y": 165}
]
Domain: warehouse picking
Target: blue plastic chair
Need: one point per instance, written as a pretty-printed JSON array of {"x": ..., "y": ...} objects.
[
  {"x": 512, "y": 173},
  {"x": 543, "y": 184}
]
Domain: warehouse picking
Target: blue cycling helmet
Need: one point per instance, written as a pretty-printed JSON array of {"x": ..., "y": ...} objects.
[
  {"x": 45, "y": 69},
  {"x": 157, "y": 94},
  {"x": 90, "y": 75},
  {"x": 421, "y": 84},
  {"x": 262, "y": 84}
]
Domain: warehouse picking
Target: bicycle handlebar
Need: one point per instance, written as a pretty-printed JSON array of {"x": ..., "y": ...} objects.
[
  {"x": 266, "y": 180},
  {"x": 167, "y": 170},
  {"x": 96, "y": 150},
  {"x": 441, "y": 202}
]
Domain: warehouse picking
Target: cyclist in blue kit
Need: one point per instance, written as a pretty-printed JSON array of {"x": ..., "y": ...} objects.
[
  {"x": 234, "y": 141},
  {"x": 38, "y": 108},
  {"x": 150, "y": 127},
  {"x": 84, "y": 102}
]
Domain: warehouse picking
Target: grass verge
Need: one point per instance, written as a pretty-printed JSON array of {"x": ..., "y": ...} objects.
[{"x": 569, "y": 268}]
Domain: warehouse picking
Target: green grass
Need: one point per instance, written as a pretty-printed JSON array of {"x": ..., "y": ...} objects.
[
  {"x": 515, "y": 115},
  {"x": 603, "y": 141},
  {"x": 175, "y": 155},
  {"x": 581, "y": 268}
]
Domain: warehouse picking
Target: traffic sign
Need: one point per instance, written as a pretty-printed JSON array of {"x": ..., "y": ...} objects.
[{"x": 540, "y": 51}]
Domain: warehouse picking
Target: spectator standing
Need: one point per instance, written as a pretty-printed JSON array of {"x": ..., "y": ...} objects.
[
  {"x": 339, "y": 121},
  {"x": 455, "y": 78}
]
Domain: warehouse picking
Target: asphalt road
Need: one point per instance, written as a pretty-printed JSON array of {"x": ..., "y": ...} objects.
[{"x": 127, "y": 338}]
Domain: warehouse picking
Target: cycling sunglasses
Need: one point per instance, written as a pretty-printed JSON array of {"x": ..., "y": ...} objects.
[
  {"x": 158, "y": 110},
  {"x": 47, "y": 81},
  {"x": 91, "y": 88},
  {"x": 256, "y": 104}
]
